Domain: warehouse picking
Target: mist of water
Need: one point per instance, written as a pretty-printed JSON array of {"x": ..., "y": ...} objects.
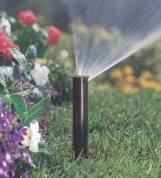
[{"x": 108, "y": 31}]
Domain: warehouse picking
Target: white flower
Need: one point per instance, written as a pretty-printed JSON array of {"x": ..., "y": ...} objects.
[
  {"x": 12, "y": 20},
  {"x": 33, "y": 137},
  {"x": 26, "y": 141},
  {"x": 36, "y": 28},
  {"x": 40, "y": 74},
  {"x": 5, "y": 25},
  {"x": 64, "y": 53},
  {"x": 37, "y": 92},
  {"x": 7, "y": 70},
  {"x": 34, "y": 143},
  {"x": 34, "y": 128}
]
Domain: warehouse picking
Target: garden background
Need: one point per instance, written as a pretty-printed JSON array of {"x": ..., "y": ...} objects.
[{"x": 124, "y": 107}]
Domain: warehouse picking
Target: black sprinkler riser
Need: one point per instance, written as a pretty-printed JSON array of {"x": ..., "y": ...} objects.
[{"x": 80, "y": 116}]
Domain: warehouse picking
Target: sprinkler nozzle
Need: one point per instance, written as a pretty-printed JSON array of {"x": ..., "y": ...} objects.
[{"x": 80, "y": 116}]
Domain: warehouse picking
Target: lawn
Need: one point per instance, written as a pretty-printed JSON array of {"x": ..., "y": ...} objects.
[{"x": 124, "y": 139}]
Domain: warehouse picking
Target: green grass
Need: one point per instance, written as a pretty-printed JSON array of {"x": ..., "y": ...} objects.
[{"x": 124, "y": 139}]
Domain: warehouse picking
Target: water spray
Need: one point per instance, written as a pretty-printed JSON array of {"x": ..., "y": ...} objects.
[
  {"x": 80, "y": 116},
  {"x": 106, "y": 32}
]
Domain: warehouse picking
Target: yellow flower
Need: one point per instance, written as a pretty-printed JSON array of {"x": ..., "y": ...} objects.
[
  {"x": 150, "y": 84},
  {"x": 82, "y": 28},
  {"x": 130, "y": 89},
  {"x": 154, "y": 86},
  {"x": 147, "y": 74},
  {"x": 105, "y": 35},
  {"x": 41, "y": 61},
  {"x": 128, "y": 70},
  {"x": 143, "y": 81},
  {"x": 116, "y": 74},
  {"x": 157, "y": 87},
  {"x": 130, "y": 79}
]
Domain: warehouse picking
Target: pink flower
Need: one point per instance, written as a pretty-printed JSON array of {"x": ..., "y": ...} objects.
[
  {"x": 5, "y": 44},
  {"x": 54, "y": 35},
  {"x": 27, "y": 18}
]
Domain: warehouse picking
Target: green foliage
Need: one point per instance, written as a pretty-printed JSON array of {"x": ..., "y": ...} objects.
[
  {"x": 30, "y": 36},
  {"x": 20, "y": 107},
  {"x": 18, "y": 57},
  {"x": 66, "y": 43},
  {"x": 15, "y": 95},
  {"x": 2, "y": 78},
  {"x": 61, "y": 68},
  {"x": 28, "y": 115},
  {"x": 7, "y": 99},
  {"x": 124, "y": 139},
  {"x": 31, "y": 54},
  {"x": 60, "y": 76},
  {"x": 26, "y": 61},
  {"x": 36, "y": 110}
]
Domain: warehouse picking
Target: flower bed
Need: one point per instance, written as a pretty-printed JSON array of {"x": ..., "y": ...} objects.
[{"x": 25, "y": 91}]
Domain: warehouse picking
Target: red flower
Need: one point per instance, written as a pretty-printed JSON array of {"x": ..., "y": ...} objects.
[
  {"x": 27, "y": 18},
  {"x": 5, "y": 44},
  {"x": 54, "y": 35}
]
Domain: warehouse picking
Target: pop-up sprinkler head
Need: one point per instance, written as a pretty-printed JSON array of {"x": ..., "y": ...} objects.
[{"x": 80, "y": 116}]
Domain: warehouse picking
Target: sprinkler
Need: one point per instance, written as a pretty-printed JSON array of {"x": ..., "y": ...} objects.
[{"x": 80, "y": 116}]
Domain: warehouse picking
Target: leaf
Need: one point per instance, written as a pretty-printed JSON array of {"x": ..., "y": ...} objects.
[
  {"x": 19, "y": 106},
  {"x": 2, "y": 78},
  {"x": 7, "y": 71},
  {"x": 3, "y": 14},
  {"x": 31, "y": 54},
  {"x": 1, "y": 89},
  {"x": 36, "y": 110},
  {"x": 18, "y": 56},
  {"x": 26, "y": 92}
]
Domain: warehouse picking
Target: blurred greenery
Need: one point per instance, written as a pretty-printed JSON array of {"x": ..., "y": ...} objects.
[
  {"x": 50, "y": 11},
  {"x": 60, "y": 78},
  {"x": 56, "y": 13}
]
